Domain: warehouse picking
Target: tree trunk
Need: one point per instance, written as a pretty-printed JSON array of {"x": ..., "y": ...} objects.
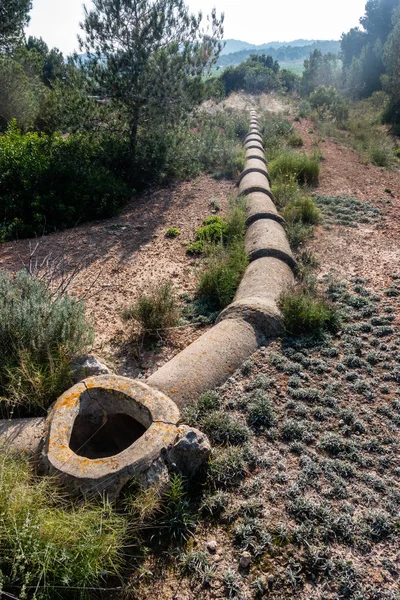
[{"x": 133, "y": 138}]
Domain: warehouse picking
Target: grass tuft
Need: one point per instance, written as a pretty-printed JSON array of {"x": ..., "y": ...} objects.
[
  {"x": 48, "y": 545},
  {"x": 304, "y": 312},
  {"x": 155, "y": 311},
  {"x": 303, "y": 168}
]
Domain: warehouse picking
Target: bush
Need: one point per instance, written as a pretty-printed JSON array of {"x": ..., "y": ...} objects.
[
  {"x": 227, "y": 257},
  {"x": 155, "y": 311},
  {"x": 195, "y": 249},
  {"x": 218, "y": 283},
  {"x": 276, "y": 129},
  {"x": 330, "y": 104},
  {"x": 303, "y": 168},
  {"x": 298, "y": 233},
  {"x": 213, "y": 230},
  {"x": 305, "y": 313},
  {"x": 303, "y": 210},
  {"x": 285, "y": 190},
  {"x": 50, "y": 546},
  {"x": 172, "y": 232},
  {"x": 48, "y": 183},
  {"x": 295, "y": 140},
  {"x": 381, "y": 151},
  {"x": 40, "y": 333},
  {"x": 223, "y": 430},
  {"x": 260, "y": 412}
]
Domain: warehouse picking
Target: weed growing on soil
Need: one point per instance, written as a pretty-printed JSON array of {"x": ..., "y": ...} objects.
[
  {"x": 304, "y": 312},
  {"x": 48, "y": 547},
  {"x": 291, "y": 164},
  {"x": 172, "y": 232},
  {"x": 156, "y": 310},
  {"x": 302, "y": 210},
  {"x": 343, "y": 210},
  {"x": 227, "y": 258}
]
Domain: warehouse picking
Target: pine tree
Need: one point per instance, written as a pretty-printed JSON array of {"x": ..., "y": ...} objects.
[
  {"x": 13, "y": 18},
  {"x": 148, "y": 57}
]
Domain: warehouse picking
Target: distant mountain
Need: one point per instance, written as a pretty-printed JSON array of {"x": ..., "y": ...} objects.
[
  {"x": 232, "y": 46},
  {"x": 235, "y": 46},
  {"x": 281, "y": 51}
]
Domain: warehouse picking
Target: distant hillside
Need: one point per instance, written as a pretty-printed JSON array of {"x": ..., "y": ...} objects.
[
  {"x": 232, "y": 46},
  {"x": 283, "y": 52}
]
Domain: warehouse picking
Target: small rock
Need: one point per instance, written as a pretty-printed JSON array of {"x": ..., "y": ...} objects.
[
  {"x": 231, "y": 380},
  {"x": 271, "y": 578},
  {"x": 245, "y": 560},
  {"x": 88, "y": 366},
  {"x": 191, "y": 450},
  {"x": 302, "y": 375},
  {"x": 212, "y": 546}
]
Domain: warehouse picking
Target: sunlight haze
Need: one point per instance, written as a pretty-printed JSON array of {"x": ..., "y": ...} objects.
[{"x": 254, "y": 21}]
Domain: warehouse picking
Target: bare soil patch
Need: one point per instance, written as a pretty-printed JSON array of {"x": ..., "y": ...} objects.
[{"x": 241, "y": 101}]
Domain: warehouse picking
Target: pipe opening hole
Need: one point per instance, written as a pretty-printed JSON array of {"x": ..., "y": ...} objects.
[{"x": 93, "y": 438}]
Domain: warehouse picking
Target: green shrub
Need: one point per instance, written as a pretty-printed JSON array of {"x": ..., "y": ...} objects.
[
  {"x": 213, "y": 230},
  {"x": 48, "y": 183},
  {"x": 225, "y": 268},
  {"x": 233, "y": 164},
  {"x": 157, "y": 310},
  {"x": 285, "y": 190},
  {"x": 304, "y": 312},
  {"x": 195, "y": 249},
  {"x": 49, "y": 546},
  {"x": 260, "y": 412},
  {"x": 224, "y": 430},
  {"x": 172, "y": 232},
  {"x": 381, "y": 152},
  {"x": 330, "y": 104},
  {"x": 275, "y": 129},
  {"x": 227, "y": 257},
  {"x": 298, "y": 233},
  {"x": 295, "y": 140},
  {"x": 303, "y": 210},
  {"x": 40, "y": 333},
  {"x": 290, "y": 164},
  {"x": 305, "y": 109}
]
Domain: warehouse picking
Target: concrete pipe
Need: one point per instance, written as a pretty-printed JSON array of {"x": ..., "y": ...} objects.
[
  {"x": 268, "y": 238},
  {"x": 207, "y": 363},
  {"x": 254, "y": 165},
  {"x": 257, "y": 297},
  {"x": 260, "y": 206},
  {"x": 253, "y": 135},
  {"x": 255, "y": 182},
  {"x": 257, "y": 154},
  {"x": 254, "y": 145},
  {"x": 105, "y": 431}
]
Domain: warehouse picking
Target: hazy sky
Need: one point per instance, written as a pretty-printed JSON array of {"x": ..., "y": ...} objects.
[{"x": 255, "y": 21}]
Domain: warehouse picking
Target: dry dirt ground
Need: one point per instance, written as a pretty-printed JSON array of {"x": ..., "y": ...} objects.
[
  {"x": 122, "y": 257},
  {"x": 315, "y": 497},
  {"x": 264, "y": 103}
]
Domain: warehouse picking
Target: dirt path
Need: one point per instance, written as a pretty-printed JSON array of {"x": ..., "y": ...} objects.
[{"x": 123, "y": 256}]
